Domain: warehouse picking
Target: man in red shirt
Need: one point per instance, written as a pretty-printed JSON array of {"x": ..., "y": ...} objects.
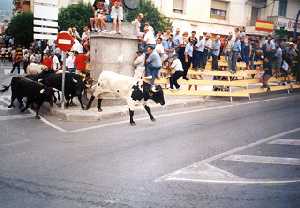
[
  {"x": 80, "y": 61},
  {"x": 47, "y": 61}
]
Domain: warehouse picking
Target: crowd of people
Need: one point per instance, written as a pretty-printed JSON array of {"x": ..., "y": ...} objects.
[{"x": 182, "y": 51}]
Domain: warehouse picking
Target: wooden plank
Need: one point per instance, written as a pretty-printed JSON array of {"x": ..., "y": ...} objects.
[{"x": 206, "y": 93}]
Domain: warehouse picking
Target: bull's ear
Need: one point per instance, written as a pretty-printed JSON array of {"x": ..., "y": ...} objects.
[
  {"x": 42, "y": 91},
  {"x": 75, "y": 81}
]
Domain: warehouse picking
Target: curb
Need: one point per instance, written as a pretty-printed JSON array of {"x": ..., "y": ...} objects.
[{"x": 93, "y": 115}]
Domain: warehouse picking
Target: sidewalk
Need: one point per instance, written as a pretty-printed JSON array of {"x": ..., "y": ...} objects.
[{"x": 121, "y": 111}]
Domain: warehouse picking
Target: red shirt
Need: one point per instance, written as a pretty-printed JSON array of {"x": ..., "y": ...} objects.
[
  {"x": 47, "y": 61},
  {"x": 80, "y": 62}
]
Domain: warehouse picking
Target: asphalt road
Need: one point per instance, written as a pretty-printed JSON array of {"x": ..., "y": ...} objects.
[{"x": 216, "y": 155}]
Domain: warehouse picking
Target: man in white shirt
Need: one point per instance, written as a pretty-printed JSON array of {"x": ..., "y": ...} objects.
[
  {"x": 176, "y": 65},
  {"x": 199, "y": 52},
  {"x": 160, "y": 49},
  {"x": 55, "y": 63},
  {"x": 207, "y": 48},
  {"x": 149, "y": 39},
  {"x": 70, "y": 62}
]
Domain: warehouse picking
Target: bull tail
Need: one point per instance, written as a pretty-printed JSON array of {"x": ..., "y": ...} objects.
[{"x": 5, "y": 88}]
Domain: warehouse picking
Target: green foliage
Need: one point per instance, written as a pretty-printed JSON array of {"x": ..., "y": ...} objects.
[
  {"x": 281, "y": 33},
  {"x": 76, "y": 15},
  {"x": 151, "y": 14},
  {"x": 21, "y": 28}
]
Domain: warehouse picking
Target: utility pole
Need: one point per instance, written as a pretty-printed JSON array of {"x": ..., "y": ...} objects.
[{"x": 296, "y": 25}]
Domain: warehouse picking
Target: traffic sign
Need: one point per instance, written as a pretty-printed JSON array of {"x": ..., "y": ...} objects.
[{"x": 65, "y": 41}]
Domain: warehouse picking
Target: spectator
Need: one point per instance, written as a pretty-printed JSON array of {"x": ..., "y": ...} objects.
[
  {"x": 100, "y": 17},
  {"x": 149, "y": 39},
  {"x": 80, "y": 61},
  {"x": 167, "y": 34},
  {"x": 267, "y": 66},
  {"x": 56, "y": 63},
  {"x": 85, "y": 39},
  {"x": 160, "y": 49},
  {"x": 236, "y": 49},
  {"x": 277, "y": 59},
  {"x": 25, "y": 60},
  {"x": 207, "y": 48},
  {"x": 70, "y": 62},
  {"x": 228, "y": 50},
  {"x": 245, "y": 51},
  {"x": 47, "y": 61},
  {"x": 77, "y": 46},
  {"x": 177, "y": 40},
  {"x": 176, "y": 65},
  {"x": 194, "y": 41},
  {"x": 215, "y": 51},
  {"x": 139, "y": 64},
  {"x": 138, "y": 23},
  {"x": 17, "y": 58},
  {"x": 188, "y": 55},
  {"x": 199, "y": 53},
  {"x": 169, "y": 46},
  {"x": 117, "y": 16},
  {"x": 153, "y": 64}
]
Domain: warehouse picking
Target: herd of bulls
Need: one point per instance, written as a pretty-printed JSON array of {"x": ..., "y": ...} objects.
[{"x": 42, "y": 87}]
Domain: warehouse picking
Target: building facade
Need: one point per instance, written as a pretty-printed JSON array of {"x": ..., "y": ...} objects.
[{"x": 222, "y": 16}]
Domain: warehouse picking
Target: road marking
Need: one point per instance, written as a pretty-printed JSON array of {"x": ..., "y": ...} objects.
[
  {"x": 14, "y": 117},
  {"x": 176, "y": 114},
  {"x": 181, "y": 174},
  {"x": 295, "y": 142},
  {"x": 263, "y": 159},
  {"x": 16, "y": 143}
]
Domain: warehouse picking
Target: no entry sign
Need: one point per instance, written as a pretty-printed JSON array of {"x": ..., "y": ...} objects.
[{"x": 65, "y": 41}]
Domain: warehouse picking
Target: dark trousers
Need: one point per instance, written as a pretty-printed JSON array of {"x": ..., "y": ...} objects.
[
  {"x": 174, "y": 78},
  {"x": 214, "y": 65},
  {"x": 16, "y": 65},
  {"x": 197, "y": 59},
  {"x": 186, "y": 66},
  {"x": 25, "y": 65},
  {"x": 205, "y": 57}
]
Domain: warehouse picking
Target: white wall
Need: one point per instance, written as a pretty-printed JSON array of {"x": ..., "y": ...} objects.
[{"x": 292, "y": 8}]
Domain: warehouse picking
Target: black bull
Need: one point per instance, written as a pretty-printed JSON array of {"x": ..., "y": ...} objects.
[
  {"x": 22, "y": 87},
  {"x": 145, "y": 94},
  {"x": 74, "y": 86}
]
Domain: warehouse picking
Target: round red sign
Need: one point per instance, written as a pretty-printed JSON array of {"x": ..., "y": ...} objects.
[{"x": 65, "y": 41}]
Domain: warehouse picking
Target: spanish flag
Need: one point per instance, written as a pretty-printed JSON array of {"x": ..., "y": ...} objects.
[{"x": 265, "y": 26}]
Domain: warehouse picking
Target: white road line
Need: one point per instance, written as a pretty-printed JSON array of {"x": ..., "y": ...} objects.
[
  {"x": 16, "y": 143},
  {"x": 295, "y": 142},
  {"x": 14, "y": 117},
  {"x": 176, "y": 114},
  {"x": 263, "y": 159},
  {"x": 174, "y": 175}
]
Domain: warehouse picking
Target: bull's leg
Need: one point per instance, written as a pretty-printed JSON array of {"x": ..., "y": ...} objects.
[
  {"x": 38, "y": 109},
  {"x": 28, "y": 103},
  {"x": 131, "y": 114},
  {"x": 90, "y": 102},
  {"x": 12, "y": 99},
  {"x": 80, "y": 101},
  {"x": 147, "y": 108},
  {"x": 99, "y": 105},
  {"x": 20, "y": 103}
]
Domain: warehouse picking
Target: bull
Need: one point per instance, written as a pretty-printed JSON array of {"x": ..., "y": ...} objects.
[
  {"x": 22, "y": 87},
  {"x": 74, "y": 86},
  {"x": 134, "y": 91}
]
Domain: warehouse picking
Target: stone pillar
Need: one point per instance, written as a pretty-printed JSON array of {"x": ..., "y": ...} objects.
[{"x": 113, "y": 52}]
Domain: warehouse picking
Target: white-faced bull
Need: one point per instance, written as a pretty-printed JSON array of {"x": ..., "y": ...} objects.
[{"x": 135, "y": 92}]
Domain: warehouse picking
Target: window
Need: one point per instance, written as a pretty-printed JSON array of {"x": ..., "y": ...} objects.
[
  {"x": 178, "y": 6},
  {"x": 218, "y": 9},
  {"x": 282, "y": 7}
]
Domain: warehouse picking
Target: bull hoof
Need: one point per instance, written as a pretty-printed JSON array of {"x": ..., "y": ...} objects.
[
  {"x": 100, "y": 110},
  {"x": 153, "y": 119},
  {"x": 11, "y": 106},
  {"x": 23, "y": 110},
  {"x": 133, "y": 123},
  {"x": 37, "y": 117}
]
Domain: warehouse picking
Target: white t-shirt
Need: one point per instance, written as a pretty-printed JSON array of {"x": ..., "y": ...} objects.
[
  {"x": 177, "y": 65},
  {"x": 160, "y": 49},
  {"x": 149, "y": 38},
  {"x": 55, "y": 63},
  {"x": 70, "y": 62}
]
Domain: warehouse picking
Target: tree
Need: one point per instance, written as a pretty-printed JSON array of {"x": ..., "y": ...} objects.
[
  {"x": 21, "y": 28},
  {"x": 151, "y": 14},
  {"x": 76, "y": 15}
]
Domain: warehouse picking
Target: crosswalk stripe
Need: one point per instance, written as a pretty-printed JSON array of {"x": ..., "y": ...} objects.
[
  {"x": 295, "y": 142},
  {"x": 263, "y": 159}
]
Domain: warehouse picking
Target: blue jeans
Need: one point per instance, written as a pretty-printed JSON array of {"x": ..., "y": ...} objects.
[
  {"x": 152, "y": 71},
  {"x": 233, "y": 60}
]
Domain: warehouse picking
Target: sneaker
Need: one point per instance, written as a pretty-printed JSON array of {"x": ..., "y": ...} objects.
[
  {"x": 99, "y": 30},
  {"x": 120, "y": 33},
  {"x": 105, "y": 31},
  {"x": 113, "y": 32}
]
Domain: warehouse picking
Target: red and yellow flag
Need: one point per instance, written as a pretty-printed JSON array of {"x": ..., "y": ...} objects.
[{"x": 265, "y": 26}]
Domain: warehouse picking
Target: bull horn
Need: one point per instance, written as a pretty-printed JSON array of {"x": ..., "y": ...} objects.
[
  {"x": 42, "y": 91},
  {"x": 56, "y": 90},
  {"x": 153, "y": 89}
]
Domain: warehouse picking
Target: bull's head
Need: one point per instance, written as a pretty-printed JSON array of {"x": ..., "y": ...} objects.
[
  {"x": 47, "y": 94},
  {"x": 154, "y": 93}
]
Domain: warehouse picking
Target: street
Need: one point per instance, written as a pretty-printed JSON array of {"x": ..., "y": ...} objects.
[{"x": 244, "y": 154}]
